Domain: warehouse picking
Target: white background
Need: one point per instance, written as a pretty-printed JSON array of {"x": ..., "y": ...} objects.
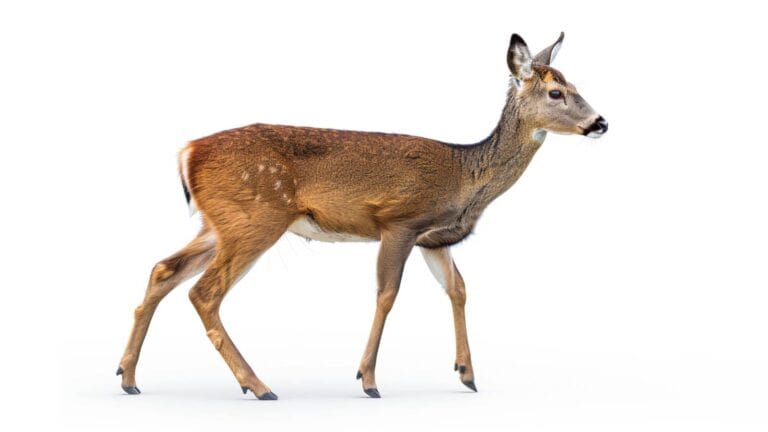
[{"x": 619, "y": 285}]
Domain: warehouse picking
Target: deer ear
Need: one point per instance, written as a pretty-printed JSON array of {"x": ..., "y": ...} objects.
[
  {"x": 547, "y": 55},
  {"x": 519, "y": 58}
]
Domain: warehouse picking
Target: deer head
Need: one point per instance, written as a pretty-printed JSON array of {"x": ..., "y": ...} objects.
[{"x": 542, "y": 96}]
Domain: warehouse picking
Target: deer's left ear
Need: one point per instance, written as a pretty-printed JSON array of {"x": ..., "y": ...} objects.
[
  {"x": 519, "y": 58},
  {"x": 547, "y": 55}
]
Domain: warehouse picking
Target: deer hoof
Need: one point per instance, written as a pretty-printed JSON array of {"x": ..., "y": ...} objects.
[
  {"x": 372, "y": 392},
  {"x": 119, "y": 371},
  {"x": 268, "y": 396},
  {"x": 471, "y": 385},
  {"x": 132, "y": 390},
  {"x": 359, "y": 375}
]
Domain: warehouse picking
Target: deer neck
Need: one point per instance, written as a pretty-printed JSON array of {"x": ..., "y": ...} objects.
[{"x": 493, "y": 165}]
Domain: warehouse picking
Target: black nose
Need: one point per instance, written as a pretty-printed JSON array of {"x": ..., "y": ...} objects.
[{"x": 599, "y": 126}]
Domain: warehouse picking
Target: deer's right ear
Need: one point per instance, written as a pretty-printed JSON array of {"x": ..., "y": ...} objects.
[{"x": 519, "y": 58}]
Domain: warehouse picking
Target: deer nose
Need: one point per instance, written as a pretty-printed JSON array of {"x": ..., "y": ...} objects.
[{"x": 597, "y": 128}]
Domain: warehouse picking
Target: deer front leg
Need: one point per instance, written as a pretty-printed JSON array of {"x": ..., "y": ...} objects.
[
  {"x": 395, "y": 247},
  {"x": 444, "y": 269}
]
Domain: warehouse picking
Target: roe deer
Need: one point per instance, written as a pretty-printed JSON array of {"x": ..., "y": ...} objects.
[{"x": 253, "y": 184}]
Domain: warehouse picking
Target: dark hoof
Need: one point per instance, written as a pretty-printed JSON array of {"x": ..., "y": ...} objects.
[
  {"x": 267, "y": 396},
  {"x": 119, "y": 371},
  {"x": 470, "y": 384},
  {"x": 462, "y": 369},
  {"x": 359, "y": 375},
  {"x": 455, "y": 366},
  {"x": 244, "y": 389},
  {"x": 372, "y": 392},
  {"x": 131, "y": 390}
]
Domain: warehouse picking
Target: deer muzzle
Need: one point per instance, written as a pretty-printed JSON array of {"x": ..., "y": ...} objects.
[{"x": 597, "y": 128}]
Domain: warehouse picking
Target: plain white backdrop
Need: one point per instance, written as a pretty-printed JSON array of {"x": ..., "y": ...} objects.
[{"x": 619, "y": 285}]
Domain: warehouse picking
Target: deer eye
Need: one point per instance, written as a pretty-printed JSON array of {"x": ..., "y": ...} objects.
[{"x": 555, "y": 94}]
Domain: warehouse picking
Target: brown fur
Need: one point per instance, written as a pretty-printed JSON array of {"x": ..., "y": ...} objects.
[
  {"x": 252, "y": 183},
  {"x": 348, "y": 182}
]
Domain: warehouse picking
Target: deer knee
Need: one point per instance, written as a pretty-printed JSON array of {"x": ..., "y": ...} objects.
[
  {"x": 457, "y": 291},
  {"x": 385, "y": 299},
  {"x": 458, "y": 297}
]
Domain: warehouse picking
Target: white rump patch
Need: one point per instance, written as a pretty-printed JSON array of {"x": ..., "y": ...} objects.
[
  {"x": 307, "y": 228},
  {"x": 184, "y": 170}
]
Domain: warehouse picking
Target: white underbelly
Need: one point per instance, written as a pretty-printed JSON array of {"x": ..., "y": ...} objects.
[{"x": 308, "y": 229}]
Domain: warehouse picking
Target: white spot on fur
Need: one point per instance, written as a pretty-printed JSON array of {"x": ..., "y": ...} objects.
[
  {"x": 257, "y": 197},
  {"x": 245, "y": 176},
  {"x": 277, "y": 184},
  {"x": 272, "y": 170},
  {"x": 261, "y": 167},
  {"x": 295, "y": 182},
  {"x": 308, "y": 229}
]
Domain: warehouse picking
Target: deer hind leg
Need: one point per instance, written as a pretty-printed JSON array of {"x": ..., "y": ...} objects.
[
  {"x": 241, "y": 240},
  {"x": 444, "y": 269},
  {"x": 166, "y": 275},
  {"x": 394, "y": 250}
]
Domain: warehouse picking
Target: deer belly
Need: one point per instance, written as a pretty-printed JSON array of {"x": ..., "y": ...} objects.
[{"x": 307, "y": 228}]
